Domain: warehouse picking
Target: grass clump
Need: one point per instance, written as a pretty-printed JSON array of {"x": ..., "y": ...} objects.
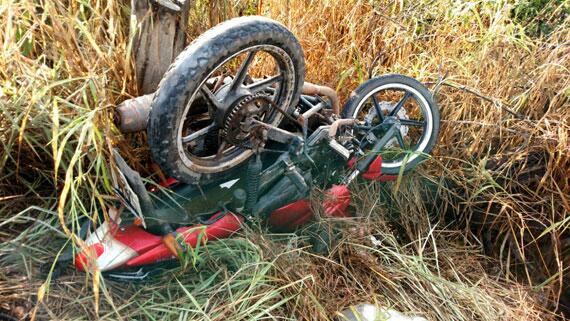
[{"x": 540, "y": 17}]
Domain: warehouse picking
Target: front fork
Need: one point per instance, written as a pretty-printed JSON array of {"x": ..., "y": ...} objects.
[{"x": 363, "y": 165}]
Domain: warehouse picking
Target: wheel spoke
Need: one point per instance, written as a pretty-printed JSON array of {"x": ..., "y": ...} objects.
[
  {"x": 262, "y": 84},
  {"x": 197, "y": 134},
  {"x": 209, "y": 96},
  {"x": 400, "y": 104},
  {"x": 400, "y": 139},
  {"x": 242, "y": 71},
  {"x": 411, "y": 122},
  {"x": 377, "y": 108},
  {"x": 220, "y": 151}
]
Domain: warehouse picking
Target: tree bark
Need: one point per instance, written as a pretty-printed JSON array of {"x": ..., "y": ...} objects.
[{"x": 160, "y": 37}]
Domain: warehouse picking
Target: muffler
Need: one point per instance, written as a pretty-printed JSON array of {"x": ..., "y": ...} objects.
[{"x": 131, "y": 115}]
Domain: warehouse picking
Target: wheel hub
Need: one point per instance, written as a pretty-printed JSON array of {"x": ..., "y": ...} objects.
[
  {"x": 239, "y": 119},
  {"x": 388, "y": 107}
]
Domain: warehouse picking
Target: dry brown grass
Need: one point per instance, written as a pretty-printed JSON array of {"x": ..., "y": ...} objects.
[
  {"x": 510, "y": 173},
  {"x": 504, "y": 178}
]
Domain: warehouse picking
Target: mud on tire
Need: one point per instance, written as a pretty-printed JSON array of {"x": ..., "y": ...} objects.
[{"x": 191, "y": 69}]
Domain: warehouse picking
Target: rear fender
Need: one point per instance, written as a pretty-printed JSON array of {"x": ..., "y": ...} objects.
[{"x": 111, "y": 246}]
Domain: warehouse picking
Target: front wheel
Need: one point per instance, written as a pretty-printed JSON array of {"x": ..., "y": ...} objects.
[{"x": 399, "y": 99}]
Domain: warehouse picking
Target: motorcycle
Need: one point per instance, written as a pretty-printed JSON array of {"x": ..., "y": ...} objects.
[{"x": 242, "y": 136}]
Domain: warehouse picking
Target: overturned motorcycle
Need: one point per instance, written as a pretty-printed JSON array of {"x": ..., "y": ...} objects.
[{"x": 241, "y": 136}]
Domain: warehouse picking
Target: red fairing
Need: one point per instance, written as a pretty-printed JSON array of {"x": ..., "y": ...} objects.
[
  {"x": 337, "y": 201},
  {"x": 374, "y": 172},
  {"x": 168, "y": 182},
  {"x": 113, "y": 244},
  {"x": 291, "y": 215},
  {"x": 222, "y": 228},
  {"x": 137, "y": 239},
  {"x": 84, "y": 257}
]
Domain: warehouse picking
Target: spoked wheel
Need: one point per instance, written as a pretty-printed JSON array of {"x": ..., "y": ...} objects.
[
  {"x": 243, "y": 71},
  {"x": 400, "y": 100}
]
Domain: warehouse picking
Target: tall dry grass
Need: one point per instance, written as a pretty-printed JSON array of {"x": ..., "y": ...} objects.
[
  {"x": 502, "y": 164},
  {"x": 504, "y": 146}
]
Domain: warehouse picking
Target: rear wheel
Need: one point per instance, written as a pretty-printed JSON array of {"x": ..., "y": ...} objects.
[
  {"x": 398, "y": 99},
  {"x": 244, "y": 70}
]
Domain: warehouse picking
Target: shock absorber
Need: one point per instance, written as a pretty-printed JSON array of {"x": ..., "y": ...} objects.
[{"x": 253, "y": 176}]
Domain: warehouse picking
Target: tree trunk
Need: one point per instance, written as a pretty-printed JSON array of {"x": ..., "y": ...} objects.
[{"x": 160, "y": 37}]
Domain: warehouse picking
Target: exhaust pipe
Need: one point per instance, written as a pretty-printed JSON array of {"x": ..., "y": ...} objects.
[
  {"x": 312, "y": 89},
  {"x": 131, "y": 115}
]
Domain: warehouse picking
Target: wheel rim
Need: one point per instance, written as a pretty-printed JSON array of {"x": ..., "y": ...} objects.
[
  {"x": 411, "y": 103},
  {"x": 198, "y": 129}
]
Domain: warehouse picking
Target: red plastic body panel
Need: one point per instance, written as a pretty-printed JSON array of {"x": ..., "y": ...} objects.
[
  {"x": 374, "y": 172},
  {"x": 168, "y": 182},
  {"x": 82, "y": 259},
  {"x": 222, "y": 228},
  {"x": 337, "y": 201},
  {"x": 137, "y": 239},
  {"x": 291, "y": 216}
]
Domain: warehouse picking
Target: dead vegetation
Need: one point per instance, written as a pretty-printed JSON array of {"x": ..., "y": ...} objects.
[{"x": 493, "y": 243}]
